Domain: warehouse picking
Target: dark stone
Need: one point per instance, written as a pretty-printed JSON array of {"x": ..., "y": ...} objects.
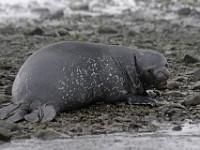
[
  {"x": 51, "y": 16},
  {"x": 48, "y": 134},
  {"x": 192, "y": 101},
  {"x": 189, "y": 59},
  {"x": 84, "y": 7},
  {"x": 5, "y": 135},
  {"x": 184, "y": 11},
  {"x": 5, "y": 67},
  {"x": 196, "y": 75},
  {"x": 2, "y": 76},
  {"x": 8, "y": 125},
  {"x": 174, "y": 113},
  {"x": 36, "y": 31},
  {"x": 63, "y": 31},
  {"x": 177, "y": 128},
  {"x": 107, "y": 30},
  {"x": 196, "y": 86},
  {"x": 1, "y": 84},
  {"x": 40, "y": 10},
  {"x": 10, "y": 77},
  {"x": 8, "y": 90}
]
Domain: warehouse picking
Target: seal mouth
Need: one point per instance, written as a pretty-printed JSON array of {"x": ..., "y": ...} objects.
[{"x": 161, "y": 83}]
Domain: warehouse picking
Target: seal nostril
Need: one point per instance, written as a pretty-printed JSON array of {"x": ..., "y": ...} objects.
[{"x": 150, "y": 70}]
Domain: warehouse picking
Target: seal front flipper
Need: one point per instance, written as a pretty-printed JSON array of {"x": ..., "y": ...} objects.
[
  {"x": 14, "y": 112},
  {"x": 139, "y": 99},
  {"x": 43, "y": 113}
]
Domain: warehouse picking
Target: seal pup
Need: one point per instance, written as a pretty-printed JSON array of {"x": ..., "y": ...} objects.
[{"x": 68, "y": 75}]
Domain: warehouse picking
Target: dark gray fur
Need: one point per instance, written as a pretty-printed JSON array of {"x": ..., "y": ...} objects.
[{"x": 68, "y": 75}]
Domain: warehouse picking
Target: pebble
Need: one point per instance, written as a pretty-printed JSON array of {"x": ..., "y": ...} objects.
[
  {"x": 8, "y": 125},
  {"x": 5, "y": 135},
  {"x": 10, "y": 77},
  {"x": 196, "y": 86},
  {"x": 196, "y": 75},
  {"x": 172, "y": 105},
  {"x": 35, "y": 31},
  {"x": 189, "y": 59},
  {"x": 107, "y": 30},
  {"x": 8, "y": 90},
  {"x": 174, "y": 94},
  {"x": 174, "y": 113},
  {"x": 79, "y": 6},
  {"x": 177, "y": 128},
  {"x": 192, "y": 101},
  {"x": 184, "y": 11},
  {"x": 54, "y": 15},
  {"x": 6, "y": 129},
  {"x": 1, "y": 83},
  {"x": 180, "y": 79},
  {"x": 172, "y": 85},
  {"x": 62, "y": 31},
  {"x": 49, "y": 134}
]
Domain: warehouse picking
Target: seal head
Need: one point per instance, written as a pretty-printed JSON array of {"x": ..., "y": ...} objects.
[{"x": 152, "y": 68}]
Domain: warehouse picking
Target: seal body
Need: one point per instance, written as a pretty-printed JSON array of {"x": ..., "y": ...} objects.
[{"x": 68, "y": 75}]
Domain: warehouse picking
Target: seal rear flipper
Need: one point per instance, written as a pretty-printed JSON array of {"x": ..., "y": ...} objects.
[
  {"x": 6, "y": 111},
  {"x": 139, "y": 99},
  {"x": 14, "y": 112},
  {"x": 18, "y": 116},
  {"x": 44, "y": 113}
]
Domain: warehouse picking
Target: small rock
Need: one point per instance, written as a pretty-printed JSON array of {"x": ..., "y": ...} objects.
[
  {"x": 180, "y": 79},
  {"x": 41, "y": 10},
  {"x": 8, "y": 90},
  {"x": 2, "y": 76},
  {"x": 107, "y": 30},
  {"x": 8, "y": 125},
  {"x": 132, "y": 33},
  {"x": 36, "y": 31},
  {"x": 196, "y": 75},
  {"x": 184, "y": 11},
  {"x": 4, "y": 98},
  {"x": 189, "y": 59},
  {"x": 10, "y": 77},
  {"x": 168, "y": 47},
  {"x": 1, "y": 84},
  {"x": 192, "y": 101},
  {"x": 5, "y": 66},
  {"x": 55, "y": 15},
  {"x": 177, "y": 128},
  {"x": 172, "y": 85},
  {"x": 79, "y": 6},
  {"x": 48, "y": 134},
  {"x": 5, "y": 135},
  {"x": 174, "y": 113},
  {"x": 174, "y": 94},
  {"x": 172, "y": 105},
  {"x": 153, "y": 126},
  {"x": 196, "y": 86},
  {"x": 62, "y": 31}
]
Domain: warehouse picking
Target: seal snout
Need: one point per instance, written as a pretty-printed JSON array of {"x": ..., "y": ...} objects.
[{"x": 162, "y": 77}]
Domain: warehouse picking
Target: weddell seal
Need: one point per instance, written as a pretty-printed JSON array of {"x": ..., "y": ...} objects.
[{"x": 68, "y": 75}]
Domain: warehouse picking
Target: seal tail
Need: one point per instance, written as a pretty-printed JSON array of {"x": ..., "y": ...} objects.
[
  {"x": 18, "y": 112},
  {"x": 13, "y": 112}
]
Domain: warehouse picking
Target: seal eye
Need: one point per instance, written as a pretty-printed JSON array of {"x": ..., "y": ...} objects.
[{"x": 150, "y": 70}]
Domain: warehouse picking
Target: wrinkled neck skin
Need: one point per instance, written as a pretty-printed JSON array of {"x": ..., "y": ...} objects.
[{"x": 140, "y": 72}]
